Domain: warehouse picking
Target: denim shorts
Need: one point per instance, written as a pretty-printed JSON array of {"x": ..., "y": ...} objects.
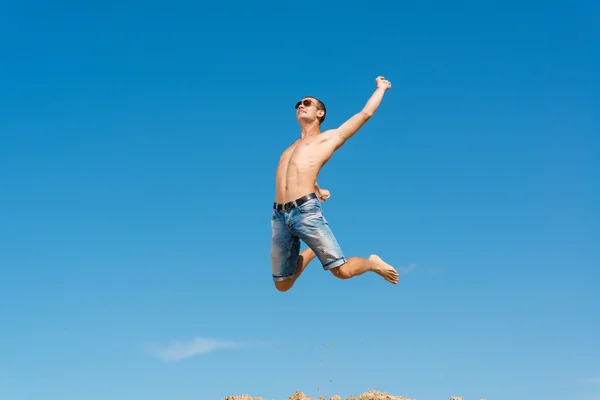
[{"x": 308, "y": 224}]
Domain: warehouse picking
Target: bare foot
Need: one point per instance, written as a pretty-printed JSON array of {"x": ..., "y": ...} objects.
[{"x": 384, "y": 269}]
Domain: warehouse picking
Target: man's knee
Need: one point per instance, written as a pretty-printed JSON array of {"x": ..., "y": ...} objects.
[
  {"x": 341, "y": 273},
  {"x": 285, "y": 285}
]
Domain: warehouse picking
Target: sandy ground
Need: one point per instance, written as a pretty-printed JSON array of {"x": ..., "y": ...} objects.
[{"x": 370, "y": 395}]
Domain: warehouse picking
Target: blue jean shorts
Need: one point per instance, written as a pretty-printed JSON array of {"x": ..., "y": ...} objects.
[{"x": 307, "y": 223}]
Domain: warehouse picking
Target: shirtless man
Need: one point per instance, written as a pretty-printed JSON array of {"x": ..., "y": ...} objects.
[{"x": 297, "y": 213}]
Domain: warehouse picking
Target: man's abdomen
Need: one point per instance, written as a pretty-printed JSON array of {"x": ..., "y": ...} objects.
[{"x": 294, "y": 185}]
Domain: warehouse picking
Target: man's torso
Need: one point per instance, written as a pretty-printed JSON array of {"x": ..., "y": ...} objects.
[{"x": 299, "y": 166}]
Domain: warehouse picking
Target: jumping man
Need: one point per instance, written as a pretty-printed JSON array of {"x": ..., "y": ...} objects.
[{"x": 297, "y": 213}]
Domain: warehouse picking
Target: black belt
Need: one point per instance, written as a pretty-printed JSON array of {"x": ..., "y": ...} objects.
[{"x": 296, "y": 203}]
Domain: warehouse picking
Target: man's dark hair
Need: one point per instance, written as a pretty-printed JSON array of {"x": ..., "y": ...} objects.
[{"x": 320, "y": 106}]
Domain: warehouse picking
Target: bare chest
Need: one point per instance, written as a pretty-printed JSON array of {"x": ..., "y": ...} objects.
[{"x": 303, "y": 152}]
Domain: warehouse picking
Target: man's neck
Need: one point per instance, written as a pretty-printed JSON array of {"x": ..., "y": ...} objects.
[{"x": 312, "y": 129}]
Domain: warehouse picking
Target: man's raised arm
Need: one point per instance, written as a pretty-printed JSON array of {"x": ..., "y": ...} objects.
[{"x": 339, "y": 135}]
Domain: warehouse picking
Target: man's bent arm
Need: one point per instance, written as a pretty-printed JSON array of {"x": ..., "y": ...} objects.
[
  {"x": 317, "y": 188},
  {"x": 322, "y": 194},
  {"x": 350, "y": 127}
]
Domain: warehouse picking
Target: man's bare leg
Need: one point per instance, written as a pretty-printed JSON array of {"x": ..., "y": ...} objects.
[
  {"x": 304, "y": 258},
  {"x": 358, "y": 265}
]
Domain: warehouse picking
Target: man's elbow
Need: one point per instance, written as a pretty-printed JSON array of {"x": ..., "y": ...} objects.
[{"x": 367, "y": 114}]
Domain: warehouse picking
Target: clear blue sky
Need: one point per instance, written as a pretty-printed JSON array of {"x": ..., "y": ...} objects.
[{"x": 138, "y": 148}]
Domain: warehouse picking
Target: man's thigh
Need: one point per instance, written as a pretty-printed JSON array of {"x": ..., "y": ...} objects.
[
  {"x": 285, "y": 248},
  {"x": 310, "y": 225}
]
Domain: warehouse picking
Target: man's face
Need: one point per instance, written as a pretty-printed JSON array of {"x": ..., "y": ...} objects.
[{"x": 306, "y": 109}]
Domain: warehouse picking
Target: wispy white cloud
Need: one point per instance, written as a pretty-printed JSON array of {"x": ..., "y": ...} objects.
[
  {"x": 405, "y": 270},
  {"x": 435, "y": 271},
  {"x": 178, "y": 350},
  {"x": 592, "y": 380}
]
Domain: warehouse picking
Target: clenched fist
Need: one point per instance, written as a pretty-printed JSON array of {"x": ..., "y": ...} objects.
[
  {"x": 323, "y": 194},
  {"x": 383, "y": 83}
]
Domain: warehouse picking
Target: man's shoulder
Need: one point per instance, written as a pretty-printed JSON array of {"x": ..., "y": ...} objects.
[
  {"x": 290, "y": 147},
  {"x": 328, "y": 134}
]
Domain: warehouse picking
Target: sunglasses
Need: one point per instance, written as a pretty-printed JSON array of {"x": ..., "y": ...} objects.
[{"x": 305, "y": 103}]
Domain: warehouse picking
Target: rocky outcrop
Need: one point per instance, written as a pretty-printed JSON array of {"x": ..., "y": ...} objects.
[
  {"x": 369, "y": 395},
  {"x": 376, "y": 395}
]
